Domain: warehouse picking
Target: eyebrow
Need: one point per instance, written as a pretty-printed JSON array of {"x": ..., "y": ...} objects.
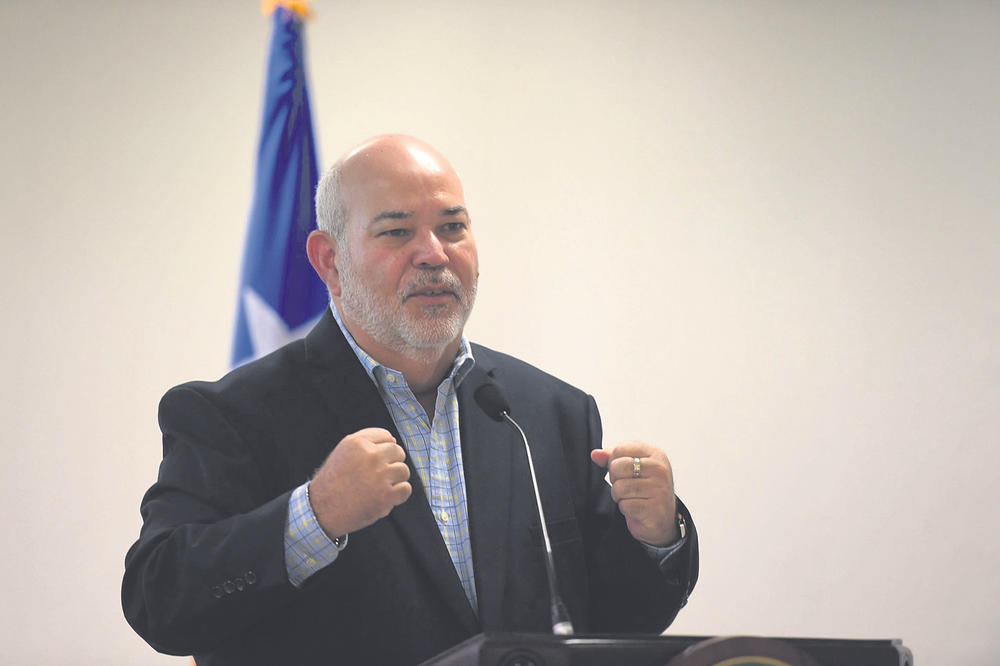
[
  {"x": 393, "y": 215},
  {"x": 403, "y": 214}
]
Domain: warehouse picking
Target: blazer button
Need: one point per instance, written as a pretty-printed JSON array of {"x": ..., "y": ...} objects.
[
  {"x": 250, "y": 577},
  {"x": 228, "y": 587},
  {"x": 217, "y": 592},
  {"x": 239, "y": 584}
]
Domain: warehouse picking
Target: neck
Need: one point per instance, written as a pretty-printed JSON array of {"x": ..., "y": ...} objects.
[{"x": 424, "y": 368}]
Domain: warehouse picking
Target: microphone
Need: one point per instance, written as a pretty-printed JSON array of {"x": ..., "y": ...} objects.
[{"x": 492, "y": 401}]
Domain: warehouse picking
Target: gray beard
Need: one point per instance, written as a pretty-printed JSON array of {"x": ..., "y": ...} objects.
[{"x": 392, "y": 326}]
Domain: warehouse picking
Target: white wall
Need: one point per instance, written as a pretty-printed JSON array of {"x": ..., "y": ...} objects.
[{"x": 764, "y": 235}]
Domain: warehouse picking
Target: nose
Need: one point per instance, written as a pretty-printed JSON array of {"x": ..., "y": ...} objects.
[{"x": 429, "y": 252}]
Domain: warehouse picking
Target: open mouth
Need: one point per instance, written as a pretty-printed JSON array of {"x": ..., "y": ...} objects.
[
  {"x": 435, "y": 292},
  {"x": 432, "y": 295}
]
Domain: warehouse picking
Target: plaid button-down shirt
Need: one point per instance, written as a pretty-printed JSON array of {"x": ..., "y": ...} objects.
[{"x": 434, "y": 447}]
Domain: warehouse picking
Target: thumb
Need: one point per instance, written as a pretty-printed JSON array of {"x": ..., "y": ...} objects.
[{"x": 600, "y": 457}]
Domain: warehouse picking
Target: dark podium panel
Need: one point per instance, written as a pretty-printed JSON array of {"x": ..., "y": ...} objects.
[{"x": 600, "y": 650}]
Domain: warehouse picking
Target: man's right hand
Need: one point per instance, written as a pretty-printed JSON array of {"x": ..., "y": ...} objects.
[{"x": 361, "y": 481}]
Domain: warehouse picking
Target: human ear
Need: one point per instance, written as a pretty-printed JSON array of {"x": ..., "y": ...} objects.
[{"x": 322, "y": 250}]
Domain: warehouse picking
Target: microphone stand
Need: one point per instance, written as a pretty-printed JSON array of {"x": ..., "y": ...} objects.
[{"x": 561, "y": 624}]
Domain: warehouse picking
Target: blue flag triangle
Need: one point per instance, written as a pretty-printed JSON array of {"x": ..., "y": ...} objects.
[{"x": 280, "y": 296}]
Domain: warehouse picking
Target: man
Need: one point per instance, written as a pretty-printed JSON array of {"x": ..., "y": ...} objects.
[{"x": 345, "y": 500}]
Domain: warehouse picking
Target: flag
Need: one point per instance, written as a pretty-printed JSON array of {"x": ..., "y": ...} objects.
[{"x": 280, "y": 296}]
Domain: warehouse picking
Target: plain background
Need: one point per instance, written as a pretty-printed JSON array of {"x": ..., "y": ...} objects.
[{"x": 763, "y": 234}]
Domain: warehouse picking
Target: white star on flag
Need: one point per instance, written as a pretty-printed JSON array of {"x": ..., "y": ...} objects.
[{"x": 268, "y": 331}]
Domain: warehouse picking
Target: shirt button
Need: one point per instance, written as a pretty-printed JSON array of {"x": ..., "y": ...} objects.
[
  {"x": 444, "y": 516},
  {"x": 310, "y": 562}
]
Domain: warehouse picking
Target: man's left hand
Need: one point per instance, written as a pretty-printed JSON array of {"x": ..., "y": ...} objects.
[{"x": 647, "y": 500}]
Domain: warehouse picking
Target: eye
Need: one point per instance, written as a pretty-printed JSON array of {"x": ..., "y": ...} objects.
[
  {"x": 455, "y": 227},
  {"x": 394, "y": 233}
]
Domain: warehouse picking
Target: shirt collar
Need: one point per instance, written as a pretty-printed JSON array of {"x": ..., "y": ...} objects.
[{"x": 464, "y": 360}]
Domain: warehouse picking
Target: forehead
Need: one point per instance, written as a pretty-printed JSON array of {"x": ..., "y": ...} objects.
[{"x": 381, "y": 183}]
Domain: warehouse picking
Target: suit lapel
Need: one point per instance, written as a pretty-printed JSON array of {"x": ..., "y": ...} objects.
[
  {"x": 341, "y": 380},
  {"x": 416, "y": 525},
  {"x": 487, "y": 448}
]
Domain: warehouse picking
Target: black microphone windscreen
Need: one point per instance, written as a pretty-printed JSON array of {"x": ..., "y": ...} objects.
[{"x": 492, "y": 401}]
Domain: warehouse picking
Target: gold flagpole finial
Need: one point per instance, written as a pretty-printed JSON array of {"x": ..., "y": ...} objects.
[{"x": 300, "y": 7}]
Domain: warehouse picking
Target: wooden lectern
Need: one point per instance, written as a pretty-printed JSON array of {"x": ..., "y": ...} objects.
[{"x": 605, "y": 650}]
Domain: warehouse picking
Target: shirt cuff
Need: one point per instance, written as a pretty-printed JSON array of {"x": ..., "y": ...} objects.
[
  {"x": 307, "y": 547},
  {"x": 662, "y": 555}
]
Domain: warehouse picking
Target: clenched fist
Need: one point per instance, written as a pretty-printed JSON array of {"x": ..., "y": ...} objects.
[
  {"x": 361, "y": 481},
  {"x": 647, "y": 501}
]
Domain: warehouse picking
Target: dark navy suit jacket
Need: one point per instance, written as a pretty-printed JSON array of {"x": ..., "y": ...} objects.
[{"x": 207, "y": 575}]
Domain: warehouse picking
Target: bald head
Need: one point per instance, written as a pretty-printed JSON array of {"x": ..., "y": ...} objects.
[{"x": 373, "y": 165}]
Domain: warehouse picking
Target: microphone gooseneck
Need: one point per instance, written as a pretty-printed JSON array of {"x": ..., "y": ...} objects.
[{"x": 494, "y": 403}]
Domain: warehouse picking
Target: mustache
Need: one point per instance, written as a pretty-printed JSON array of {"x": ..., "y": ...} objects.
[{"x": 435, "y": 277}]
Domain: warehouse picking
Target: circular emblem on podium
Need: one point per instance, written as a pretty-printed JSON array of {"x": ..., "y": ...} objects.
[
  {"x": 522, "y": 657},
  {"x": 742, "y": 651}
]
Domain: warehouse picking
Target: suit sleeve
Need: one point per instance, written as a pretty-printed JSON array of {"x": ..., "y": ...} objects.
[
  {"x": 629, "y": 591},
  {"x": 209, "y": 561}
]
